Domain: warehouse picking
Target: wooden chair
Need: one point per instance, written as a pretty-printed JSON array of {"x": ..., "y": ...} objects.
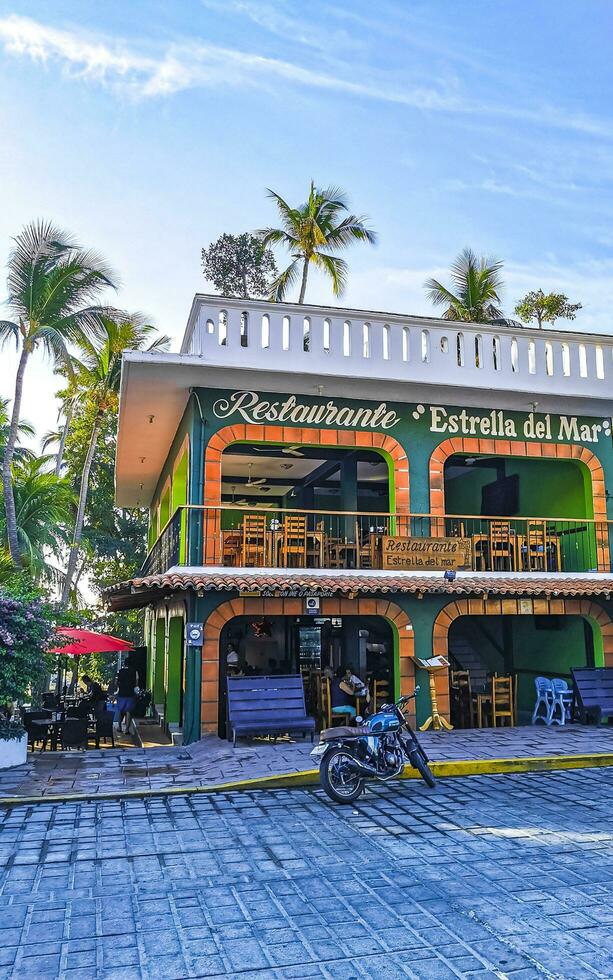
[
  {"x": 540, "y": 549},
  {"x": 381, "y": 694},
  {"x": 316, "y": 547},
  {"x": 294, "y": 543},
  {"x": 231, "y": 547},
  {"x": 253, "y": 545},
  {"x": 365, "y": 553},
  {"x": 460, "y": 684},
  {"x": 501, "y": 545},
  {"x": 341, "y": 717},
  {"x": 499, "y": 704}
]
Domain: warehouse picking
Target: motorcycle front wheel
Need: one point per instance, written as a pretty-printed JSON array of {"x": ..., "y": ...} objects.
[
  {"x": 338, "y": 779},
  {"x": 418, "y": 762}
]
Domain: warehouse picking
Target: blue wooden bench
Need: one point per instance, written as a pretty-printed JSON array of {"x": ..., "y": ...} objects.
[
  {"x": 593, "y": 689},
  {"x": 267, "y": 706}
]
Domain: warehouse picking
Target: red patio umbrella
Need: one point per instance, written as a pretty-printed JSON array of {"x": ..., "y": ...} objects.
[{"x": 87, "y": 641}]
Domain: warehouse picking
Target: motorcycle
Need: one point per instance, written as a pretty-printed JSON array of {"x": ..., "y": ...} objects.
[{"x": 376, "y": 749}]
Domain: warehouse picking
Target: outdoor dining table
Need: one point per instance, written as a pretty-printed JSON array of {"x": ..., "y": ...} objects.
[{"x": 51, "y": 727}]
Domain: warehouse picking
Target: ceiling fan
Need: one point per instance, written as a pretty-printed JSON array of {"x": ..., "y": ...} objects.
[
  {"x": 259, "y": 482},
  {"x": 270, "y": 450}
]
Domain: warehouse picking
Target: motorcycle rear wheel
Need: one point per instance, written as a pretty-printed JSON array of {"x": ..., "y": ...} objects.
[
  {"x": 338, "y": 781},
  {"x": 418, "y": 762}
]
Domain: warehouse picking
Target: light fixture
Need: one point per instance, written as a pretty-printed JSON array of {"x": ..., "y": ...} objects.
[
  {"x": 142, "y": 459},
  {"x": 151, "y": 418},
  {"x": 470, "y": 460}
]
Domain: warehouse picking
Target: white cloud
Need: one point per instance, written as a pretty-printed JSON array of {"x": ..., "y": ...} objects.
[{"x": 146, "y": 73}]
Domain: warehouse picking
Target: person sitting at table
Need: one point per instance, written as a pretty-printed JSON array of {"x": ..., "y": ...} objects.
[
  {"x": 95, "y": 695},
  {"x": 342, "y": 698}
]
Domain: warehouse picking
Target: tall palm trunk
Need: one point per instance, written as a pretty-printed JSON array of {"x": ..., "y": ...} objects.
[
  {"x": 80, "y": 518},
  {"x": 62, "y": 446},
  {"x": 305, "y": 272},
  {"x": 7, "y": 459}
]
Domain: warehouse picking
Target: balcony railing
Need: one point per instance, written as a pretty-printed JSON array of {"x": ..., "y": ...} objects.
[
  {"x": 327, "y": 341},
  {"x": 262, "y": 537}
]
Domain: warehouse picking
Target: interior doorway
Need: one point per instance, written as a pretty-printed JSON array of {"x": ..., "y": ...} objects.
[
  {"x": 519, "y": 647},
  {"x": 306, "y": 645}
]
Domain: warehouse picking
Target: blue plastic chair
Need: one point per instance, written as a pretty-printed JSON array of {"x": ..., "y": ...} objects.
[
  {"x": 544, "y": 700},
  {"x": 562, "y": 702}
]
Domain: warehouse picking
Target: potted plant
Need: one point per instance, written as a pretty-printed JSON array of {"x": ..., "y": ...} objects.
[{"x": 25, "y": 632}]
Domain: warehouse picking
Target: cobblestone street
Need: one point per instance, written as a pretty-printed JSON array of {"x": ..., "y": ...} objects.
[{"x": 494, "y": 876}]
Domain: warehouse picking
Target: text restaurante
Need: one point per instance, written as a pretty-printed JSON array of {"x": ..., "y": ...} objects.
[{"x": 252, "y": 408}]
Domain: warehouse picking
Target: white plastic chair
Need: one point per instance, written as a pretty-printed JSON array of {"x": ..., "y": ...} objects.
[
  {"x": 562, "y": 702},
  {"x": 544, "y": 699}
]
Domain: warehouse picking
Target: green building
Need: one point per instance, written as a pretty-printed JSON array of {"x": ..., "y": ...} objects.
[{"x": 333, "y": 486}]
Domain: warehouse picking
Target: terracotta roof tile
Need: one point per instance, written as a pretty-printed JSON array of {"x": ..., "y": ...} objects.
[{"x": 139, "y": 591}]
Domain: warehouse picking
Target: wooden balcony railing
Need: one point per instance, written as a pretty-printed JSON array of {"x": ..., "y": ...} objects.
[{"x": 266, "y": 538}]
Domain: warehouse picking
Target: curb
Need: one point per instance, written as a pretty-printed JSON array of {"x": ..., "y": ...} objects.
[{"x": 310, "y": 777}]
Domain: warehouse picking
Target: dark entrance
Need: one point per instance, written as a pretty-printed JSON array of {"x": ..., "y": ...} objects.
[
  {"x": 305, "y": 645},
  {"x": 522, "y": 647}
]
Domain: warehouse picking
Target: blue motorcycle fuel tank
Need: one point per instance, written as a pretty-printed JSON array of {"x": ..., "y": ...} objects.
[{"x": 382, "y": 722}]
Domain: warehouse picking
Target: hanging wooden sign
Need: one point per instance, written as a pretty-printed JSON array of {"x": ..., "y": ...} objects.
[{"x": 426, "y": 554}]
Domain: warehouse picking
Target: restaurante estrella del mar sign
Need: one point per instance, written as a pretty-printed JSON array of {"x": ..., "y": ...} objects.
[{"x": 487, "y": 423}]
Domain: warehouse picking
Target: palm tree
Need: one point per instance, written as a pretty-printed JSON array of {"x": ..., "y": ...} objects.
[
  {"x": 23, "y": 429},
  {"x": 52, "y": 287},
  {"x": 43, "y": 509},
  {"x": 311, "y": 233},
  {"x": 476, "y": 283},
  {"x": 96, "y": 385}
]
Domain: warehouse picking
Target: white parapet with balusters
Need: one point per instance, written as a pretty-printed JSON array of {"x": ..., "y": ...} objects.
[{"x": 328, "y": 341}]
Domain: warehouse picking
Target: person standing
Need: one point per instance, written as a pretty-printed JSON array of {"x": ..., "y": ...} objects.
[{"x": 125, "y": 684}]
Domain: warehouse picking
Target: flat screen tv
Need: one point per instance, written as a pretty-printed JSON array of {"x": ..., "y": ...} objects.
[{"x": 501, "y": 498}]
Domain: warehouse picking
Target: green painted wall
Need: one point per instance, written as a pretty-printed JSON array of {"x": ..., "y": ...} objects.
[
  {"x": 184, "y": 429},
  {"x": 165, "y": 509},
  {"x": 158, "y": 670},
  {"x": 175, "y": 663},
  {"x": 537, "y": 477}
]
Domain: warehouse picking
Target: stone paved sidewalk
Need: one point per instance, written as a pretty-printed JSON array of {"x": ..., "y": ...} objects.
[
  {"x": 213, "y": 761},
  {"x": 488, "y": 878}
]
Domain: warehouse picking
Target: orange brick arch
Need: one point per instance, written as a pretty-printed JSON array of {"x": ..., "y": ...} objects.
[
  {"x": 531, "y": 450},
  {"x": 508, "y": 447},
  {"x": 255, "y": 606},
  {"x": 350, "y": 438}
]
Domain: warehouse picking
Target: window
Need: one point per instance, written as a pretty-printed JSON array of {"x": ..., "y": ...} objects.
[
  {"x": 244, "y": 329},
  {"x": 347, "y": 338},
  {"x": 386, "y": 342},
  {"x": 460, "y": 349},
  {"x": 285, "y": 332},
  {"x": 425, "y": 346},
  {"x": 366, "y": 340}
]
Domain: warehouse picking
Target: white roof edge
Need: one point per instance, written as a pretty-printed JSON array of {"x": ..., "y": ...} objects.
[{"x": 406, "y": 318}]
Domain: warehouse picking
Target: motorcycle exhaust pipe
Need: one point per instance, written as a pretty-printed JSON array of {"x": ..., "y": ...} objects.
[{"x": 362, "y": 769}]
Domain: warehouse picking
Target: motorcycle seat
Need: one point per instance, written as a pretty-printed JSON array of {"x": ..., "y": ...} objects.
[{"x": 343, "y": 731}]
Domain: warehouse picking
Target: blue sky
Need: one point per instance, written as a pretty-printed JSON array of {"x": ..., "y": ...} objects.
[{"x": 148, "y": 128}]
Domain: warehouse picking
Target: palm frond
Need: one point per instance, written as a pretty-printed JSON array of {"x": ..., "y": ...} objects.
[
  {"x": 439, "y": 294},
  {"x": 9, "y": 331},
  {"x": 351, "y": 229},
  {"x": 337, "y": 270},
  {"x": 288, "y": 278}
]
